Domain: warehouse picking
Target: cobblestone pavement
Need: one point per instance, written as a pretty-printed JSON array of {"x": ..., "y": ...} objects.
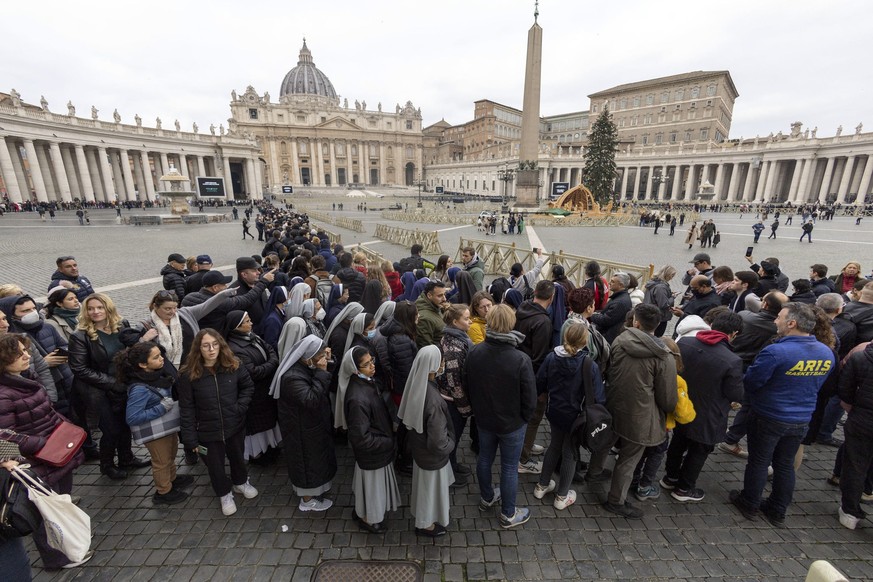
[{"x": 135, "y": 540}]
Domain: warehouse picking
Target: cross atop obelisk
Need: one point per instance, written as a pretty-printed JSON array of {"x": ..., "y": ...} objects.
[{"x": 527, "y": 184}]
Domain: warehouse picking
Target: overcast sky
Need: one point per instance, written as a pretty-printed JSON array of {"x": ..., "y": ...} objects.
[{"x": 797, "y": 60}]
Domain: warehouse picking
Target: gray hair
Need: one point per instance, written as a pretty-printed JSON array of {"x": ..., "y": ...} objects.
[
  {"x": 802, "y": 315},
  {"x": 623, "y": 278},
  {"x": 830, "y": 302}
]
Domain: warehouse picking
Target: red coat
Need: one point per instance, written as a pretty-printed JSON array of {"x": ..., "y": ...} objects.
[
  {"x": 25, "y": 408},
  {"x": 395, "y": 284}
]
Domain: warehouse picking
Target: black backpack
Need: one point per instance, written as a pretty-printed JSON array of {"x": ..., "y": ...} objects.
[
  {"x": 593, "y": 427},
  {"x": 410, "y": 264},
  {"x": 498, "y": 288}
]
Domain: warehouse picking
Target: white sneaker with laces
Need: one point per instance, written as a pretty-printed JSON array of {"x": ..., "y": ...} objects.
[
  {"x": 537, "y": 450},
  {"x": 531, "y": 467},
  {"x": 847, "y": 520},
  {"x": 228, "y": 507},
  {"x": 562, "y": 503},
  {"x": 540, "y": 491},
  {"x": 247, "y": 489},
  {"x": 315, "y": 504}
]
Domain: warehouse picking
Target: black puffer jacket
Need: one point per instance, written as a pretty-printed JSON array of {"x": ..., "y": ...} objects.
[
  {"x": 174, "y": 280},
  {"x": 610, "y": 321},
  {"x": 535, "y": 324},
  {"x": 371, "y": 432},
  {"x": 216, "y": 318},
  {"x": 261, "y": 365},
  {"x": 856, "y": 388},
  {"x": 758, "y": 330},
  {"x": 89, "y": 362},
  {"x": 354, "y": 280},
  {"x": 307, "y": 430},
  {"x": 213, "y": 407},
  {"x": 862, "y": 315},
  {"x": 395, "y": 355}
]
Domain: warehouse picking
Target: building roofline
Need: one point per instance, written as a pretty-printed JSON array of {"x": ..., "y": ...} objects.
[{"x": 690, "y": 76}]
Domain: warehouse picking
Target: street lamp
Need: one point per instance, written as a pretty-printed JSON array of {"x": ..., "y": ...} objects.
[
  {"x": 505, "y": 175},
  {"x": 419, "y": 183}
]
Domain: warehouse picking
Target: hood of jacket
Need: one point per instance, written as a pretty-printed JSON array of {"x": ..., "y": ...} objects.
[
  {"x": 169, "y": 270},
  {"x": 652, "y": 283},
  {"x": 347, "y": 274},
  {"x": 639, "y": 344},
  {"x": 7, "y": 306},
  {"x": 691, "y": 324},
  {"x": 529, "y": 309}
]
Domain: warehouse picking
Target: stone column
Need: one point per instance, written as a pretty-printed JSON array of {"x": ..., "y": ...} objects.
[
  {"x": 846, "y": 180},
  {"x": 747, "y": 188},
  {"x": 734, "y": 183},
  {"x": 18, "y": 166},
  {"x": 624, "y": 175},
  {"x": 35, "y": 171},
  {"x": 183, "y": 168},
  {"x": 294, "y": 178},
  {"x": 636, "y": 189},
  {"x": 259, "y": 178},
  {"x": 662, "y": 183},
  {"x": 826, "y": 180},
  {"x": 228, "y": 181},
  {"x": 60, "y": 172},
  {"x": 46, "y": 171},
  {"x": 251, "y": 187},
  {"x": 70, "y": 169},
  {"x": 763, "y": 174},
  {"x": 363, "y": 164},
  {"x": 118, "y": 177},
  {"x": 318, "y": 166},
  {"x": 124, "y": 161},
  {"x": 677, "y": 183},
  {"x": 331, "y": 152},
  {"x": 864, "y": 186},
  {"x": 795, "y": 180},
  {"x": 139, "y": 177},
  {"x": 803, "y": 188},
  {"x": 383, "y": 165},
  {"x": 7, "y": 170},
  {"x": 772, "y": 174},
  {"x": 93, "y": 173},
  {"x": 147, "y": 174},
  {"x": 690, "y": 183},
  {"x": 201, "y": 167},
  {"x": 704, "y": 175},
  {"x": 106, "y": 170},
  {"x": 719, "y": 179}
]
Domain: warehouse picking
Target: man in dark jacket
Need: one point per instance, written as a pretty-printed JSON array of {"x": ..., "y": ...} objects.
[
  {"x": 502, "y": 388},
  {"x": 803, "y": 292},
  {"x": 214, "y": 282},
  {"x": 195, "y": 281},
  {"x": 247, "y": 275},
  {"x": 856, "y": 392},
  {"x": 174, "y": 275},
  {"x": 67, "y": 275},
  {"x": 640, "y": 393},
  {"x": 818, "y": 277},
  {"x": 533, "y": 321},
  {"x": 781, "y": 387},
  {"x": 742, "y": 285},
  {"x": 715, "y": 379},
  {"x": 861, "y": 312},
  {"x": 430, "y": 318},
  {"x": 351, "y": 278},
  {"x": 703, "y": 298},
  {"x": 610, "y": 321}
]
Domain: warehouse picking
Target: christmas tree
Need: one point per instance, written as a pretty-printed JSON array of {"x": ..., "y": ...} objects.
[{"x": 600, "y": 170}]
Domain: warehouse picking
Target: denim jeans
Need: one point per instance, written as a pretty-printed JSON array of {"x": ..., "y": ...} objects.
[
  {"x": 771, "y": 443},
  {"x": 739, "y": 426},
  {"x": 510, "y": 452},
  {"x": 833, "y": 412},
  {"x": 648, "y": 467}
]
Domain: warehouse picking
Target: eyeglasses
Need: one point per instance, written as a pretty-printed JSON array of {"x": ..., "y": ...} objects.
[
  {"x": 367, "y": 364},
  {"x": 168, "y": 295}
]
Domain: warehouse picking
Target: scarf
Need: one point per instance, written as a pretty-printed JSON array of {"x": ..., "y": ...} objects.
[
  {"x": 154, "y": 378},
  {"x": 169, "y": 337},
  {"x": 71, "y": 316},
  {"x": 514, "y": 337}
]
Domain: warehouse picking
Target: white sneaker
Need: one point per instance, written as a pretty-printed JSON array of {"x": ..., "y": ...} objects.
[
  {"x": 540, "y": 491},
  {"x": 531, "y": 467},
  {"x": 562, "y": 503},
  {"x": 228, "y": 507},
  {"x": 848, "y": 521},
  {"x": 87, "y": 557},
  {"x": 247, "y": 490},
  {"x": 537, "y": 450},
  {"x": 315, "y": 504}
]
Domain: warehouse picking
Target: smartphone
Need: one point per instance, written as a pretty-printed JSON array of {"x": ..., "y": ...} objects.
[
  {"x": 202, "y": 450},
  {"x": 749, "y": 251},
  {"x": 62, "y": 352}
]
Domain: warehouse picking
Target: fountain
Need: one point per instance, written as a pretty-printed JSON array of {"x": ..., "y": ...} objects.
[{"x": 179, "y": 210}]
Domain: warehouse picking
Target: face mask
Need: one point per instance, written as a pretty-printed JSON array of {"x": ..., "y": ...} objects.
[
  {"x": 363, "y": 376},
  {"x": 371, "y": 334},
  {"x": 320, "y": 315},
  {"x": 30, "y": 318}
]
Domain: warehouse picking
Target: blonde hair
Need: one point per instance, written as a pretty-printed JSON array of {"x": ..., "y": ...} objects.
[
  {"x": 112, "y": 317},
  {"x": 500, "y": 319},
  {"x": 10, "y": 290},
  {"x": 575, "y": 338},
  {"x": 387, "y": 267},
  {"x": 454, "y": 312},
  {"x": 856, "y": 263},
  {"x": 191, "y": 263},
  {"x": 374, "y": 273},
  {"x": 359, "y": 259}
]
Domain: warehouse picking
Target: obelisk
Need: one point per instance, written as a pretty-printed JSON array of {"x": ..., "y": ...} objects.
[{"x": 527, "y": 180}]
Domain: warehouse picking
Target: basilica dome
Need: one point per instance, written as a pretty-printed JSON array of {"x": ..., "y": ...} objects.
[{"x": 306, "y": 78}]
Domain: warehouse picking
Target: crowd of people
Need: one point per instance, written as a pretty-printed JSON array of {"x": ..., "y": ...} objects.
[{"x": 311, "y": 347}]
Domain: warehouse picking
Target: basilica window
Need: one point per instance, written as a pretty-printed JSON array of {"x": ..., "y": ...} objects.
[
  {"x": 341, "y": 149},
  {"x": 710, "y": 91},
  {"x": 303, "y": 147},
  {"x": 390, "y": 152},
  {"x": 409, "y": 152},
  {"x": 673, "y": 137},
  {"x": 695, "y": 92},
  {"x": 680, "y": 94},
  {"x": 704, "y": 133},
  {"x": 354, "y": 149},
  {"x": 658, "y": 139},
  {"x": 408, "y": 124},
  {"x": 645, "y": 139},
  {"x": 324, "y": 150},
  {"x": 718, "y": 136},
  {"x": 650, "y": 99},
  {"x": 688, "y": 135},
  {"x": 665, "y": 96},
  {"x": 388, "y": 124},
  {"x": 301, "y": 119},
  {"x": 253, "y": 113},
  {"x": 283, "y": 147},
  {"x": 623, "y": 103},
  {"x": 636, "y": 101}
]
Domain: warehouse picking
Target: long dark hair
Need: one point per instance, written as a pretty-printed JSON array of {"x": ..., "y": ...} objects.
[
  {"x": 405, "y": 313},
  {"x": 442, "y": 264},
  {"x": 55, "y": 298},
  {"x": 193, "y": 367},
  {"x": 127, "y": 361}
]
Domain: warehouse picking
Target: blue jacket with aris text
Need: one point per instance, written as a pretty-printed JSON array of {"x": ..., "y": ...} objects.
[{"x": 783, "y": 382}]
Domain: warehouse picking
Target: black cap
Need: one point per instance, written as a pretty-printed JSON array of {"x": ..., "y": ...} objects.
[
  {"x": 214, "y": 278},
  {"x": 244, "y": 263},
  {"x": 175, "y": 258},
  {"x": 700, "y": 258}
]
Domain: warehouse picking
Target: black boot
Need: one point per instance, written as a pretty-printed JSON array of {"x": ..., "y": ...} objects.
[{"x": 113, "y": 472}]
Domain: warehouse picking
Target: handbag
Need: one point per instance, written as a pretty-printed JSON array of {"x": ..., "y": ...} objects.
[
  {"x": 593, "y": 426},
  {"x": 68, "y": 528},
  {"x": 61, "y": 445},
  {"x": 169, "y": 423},
  {"x": 19, "y": 517}
]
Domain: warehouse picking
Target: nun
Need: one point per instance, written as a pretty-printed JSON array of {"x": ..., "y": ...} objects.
[
  {"x": 363, "y": 413},
  {"x": 302, "y": 387},
  {"x": 313, "y": 315},
  {"x": 384, "y": 313},
  {"x": 299, "y": 293},
  {"x": 425, "y": 414},
  {"x": 293, "y": 331},
  {"x": 361, "y": 331},
  {"x": 274, "y": 316}
]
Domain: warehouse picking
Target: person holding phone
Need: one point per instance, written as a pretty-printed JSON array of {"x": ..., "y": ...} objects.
[
  {"x": 302, "y": 387},
  {"x": 214, "y": 396}
]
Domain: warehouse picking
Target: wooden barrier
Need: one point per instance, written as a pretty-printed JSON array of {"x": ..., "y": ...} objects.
[
  {"x": 350, "y": 224},
  {"x": 318, "y": 215},
  {"x": 583, "y": 220},
  {"x": 334, "y": 237},
  {"x": 430, "y": 217},
  {"x": 429, "y": 241},
  {"x": 372, "y": 256},
  {"x": 498, "y": 258}
]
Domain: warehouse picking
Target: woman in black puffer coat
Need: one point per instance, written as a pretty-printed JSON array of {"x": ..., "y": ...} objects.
[
  {"x": 214, "y": 395},
  {"x": 305, "y": 422}
]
